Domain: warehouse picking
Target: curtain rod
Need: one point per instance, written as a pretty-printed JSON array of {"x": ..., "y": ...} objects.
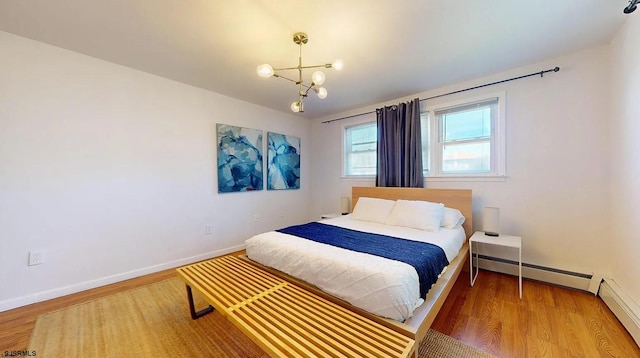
[{"x": 541, "y": 73}]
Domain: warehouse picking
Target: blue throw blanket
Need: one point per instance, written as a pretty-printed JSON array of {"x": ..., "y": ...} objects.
[{"x": 429, "y": 260}]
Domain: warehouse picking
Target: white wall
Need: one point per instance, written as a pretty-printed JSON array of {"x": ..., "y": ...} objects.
[
  {"x": 624, "y": 121},
  {"x": 112, "y": 173},
  {"x": 556, "y": 194}
]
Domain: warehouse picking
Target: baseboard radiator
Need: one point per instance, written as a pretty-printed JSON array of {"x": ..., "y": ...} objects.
[
  {"x": 627, "y": 311},
  {"x": 622, "y": 306},
  {"x": 538, "y": 273}
]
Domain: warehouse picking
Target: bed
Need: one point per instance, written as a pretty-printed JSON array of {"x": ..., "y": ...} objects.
[{"x": 293, "y": 258}]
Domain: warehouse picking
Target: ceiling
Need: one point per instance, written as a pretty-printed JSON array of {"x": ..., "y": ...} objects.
[{"x": 390, "y": 49}]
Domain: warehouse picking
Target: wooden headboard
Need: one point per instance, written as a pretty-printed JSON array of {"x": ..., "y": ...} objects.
[{"x": 453, "y": 198}]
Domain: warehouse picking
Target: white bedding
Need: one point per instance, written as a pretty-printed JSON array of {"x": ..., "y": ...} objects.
[{"x": 381, "y": 286}]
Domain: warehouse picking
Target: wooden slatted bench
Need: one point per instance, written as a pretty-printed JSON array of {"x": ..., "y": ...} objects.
[{"x": 284, "y": 319}]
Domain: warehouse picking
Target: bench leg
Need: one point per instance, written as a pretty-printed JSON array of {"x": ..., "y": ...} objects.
[{"x": 192, "y": 308}]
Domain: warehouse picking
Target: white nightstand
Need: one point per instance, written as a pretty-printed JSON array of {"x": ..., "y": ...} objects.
[
  {"x": 330, "y": 216},
  {"x": 502, "y": 240}
]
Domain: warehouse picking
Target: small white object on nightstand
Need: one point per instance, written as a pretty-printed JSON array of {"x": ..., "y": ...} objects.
[
  {"x": 502, "y": 240},
  {"x": 330, "y": 216}
]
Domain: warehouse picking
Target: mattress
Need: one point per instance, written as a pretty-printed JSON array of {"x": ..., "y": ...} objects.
[{"x": 385, "y": 287}]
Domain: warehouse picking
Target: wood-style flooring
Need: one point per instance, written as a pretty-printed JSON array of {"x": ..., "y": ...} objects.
[{"x": 549, "y": 322}]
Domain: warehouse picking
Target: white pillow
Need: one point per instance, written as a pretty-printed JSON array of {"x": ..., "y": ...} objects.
[
  {"x": 423, "y": 215},
  {"x": 372, "y": 209},
  {"x": 452, "y": 218}
]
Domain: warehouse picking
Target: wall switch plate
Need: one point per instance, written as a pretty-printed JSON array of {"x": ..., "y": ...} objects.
[
  {"x": 36, "y": 257},
  {"x": 208, "y": 230}
]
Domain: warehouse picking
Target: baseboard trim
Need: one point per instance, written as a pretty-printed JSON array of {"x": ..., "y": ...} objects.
[
  {"x": 87, "y": 285},
  {"x": 553, "y": 276},
  {"x": 627, "y": 312}
]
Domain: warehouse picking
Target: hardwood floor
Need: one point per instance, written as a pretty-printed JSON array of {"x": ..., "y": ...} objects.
[{"x": 549, "y": 321}]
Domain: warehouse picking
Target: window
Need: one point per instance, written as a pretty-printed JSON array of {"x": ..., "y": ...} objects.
[
  {"x": 463, "y": 139},
  {"x": 360, "y": 143}
]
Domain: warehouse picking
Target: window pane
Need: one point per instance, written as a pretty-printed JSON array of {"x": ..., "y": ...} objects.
[
  {"x": 366, "y": 133},
  {"x": 470, "y": 124},
  {"x": 360, "y": 149},
  {"x": 466, "y": 158},
  {"x": 362, "y": 163}
]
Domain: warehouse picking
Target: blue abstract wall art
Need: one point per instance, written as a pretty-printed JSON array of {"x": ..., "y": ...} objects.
[
  {"x": 239, "y": 159},
  {"x": 283, "y": 156}
]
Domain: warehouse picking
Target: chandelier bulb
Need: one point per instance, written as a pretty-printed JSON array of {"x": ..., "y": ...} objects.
[
  {"x": 296, "y": 106},
  {"x": 337, "y": 65},
  {"x": 318, "y": 78},
  {"x": 265, "y": 70},
  {"x": 321, "y": 91}
]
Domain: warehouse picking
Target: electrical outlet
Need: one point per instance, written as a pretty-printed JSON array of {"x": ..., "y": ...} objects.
[
  {"x": 256, "y": 217},
  {"x": 36, "y": 257},
  {"x": 208, "y": 230}
]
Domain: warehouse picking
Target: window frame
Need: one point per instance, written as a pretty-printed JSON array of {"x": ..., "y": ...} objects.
[
  {"x": 366, "y": 120},
  {"x": 497, "y": 140}
]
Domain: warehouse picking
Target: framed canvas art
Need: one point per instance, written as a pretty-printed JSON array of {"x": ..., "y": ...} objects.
[
  {"x": 239, "y": 159},
  {"x": 283, "y": 156}
]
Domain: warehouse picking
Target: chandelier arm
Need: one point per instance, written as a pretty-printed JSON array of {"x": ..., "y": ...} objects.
[
  {"x": 308, "y": 88},
  {"x": 294, "y": 81},
  {"x": 327, "y": 65},
  {"x": 285, "y": 78}
]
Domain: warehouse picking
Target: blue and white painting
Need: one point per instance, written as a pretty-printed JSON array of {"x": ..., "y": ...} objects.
[
  {"x": 283, "y": 171},
  {"x": 239, "y": 159}
]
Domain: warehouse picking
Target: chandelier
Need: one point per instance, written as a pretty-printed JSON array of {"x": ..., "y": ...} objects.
[{"x": 317, "y": 78}]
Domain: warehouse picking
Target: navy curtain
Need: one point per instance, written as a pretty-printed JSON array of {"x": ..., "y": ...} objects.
[{"x": 399, "y": 146}]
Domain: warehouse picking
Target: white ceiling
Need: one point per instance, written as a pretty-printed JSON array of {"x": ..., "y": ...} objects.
[{"x": 391, "y": 49}]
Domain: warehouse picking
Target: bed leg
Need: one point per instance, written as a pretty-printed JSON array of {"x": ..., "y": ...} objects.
[{"x": 192, "y": 309}]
